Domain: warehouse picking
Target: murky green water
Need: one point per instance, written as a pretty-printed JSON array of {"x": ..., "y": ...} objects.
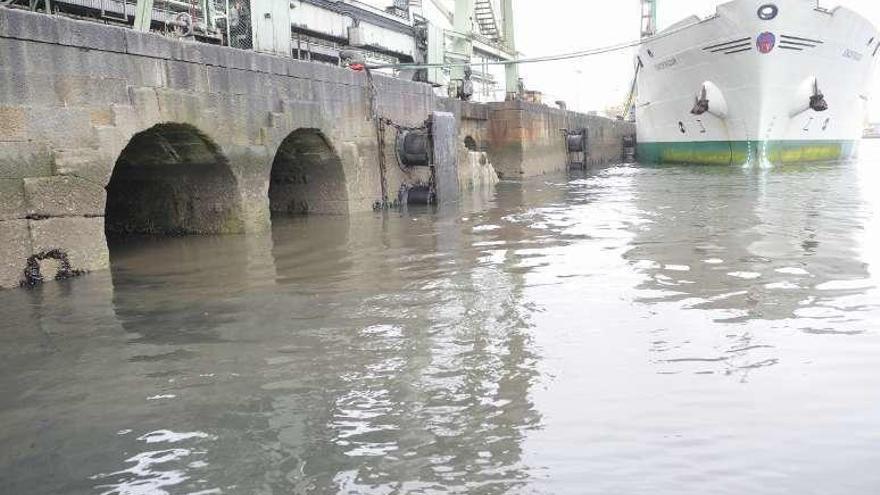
[{"x": 628, "y": 331}]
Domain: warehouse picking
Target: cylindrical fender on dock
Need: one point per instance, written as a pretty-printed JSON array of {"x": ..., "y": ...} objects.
[
  {"x": 414, "y": 148},
  {"x": 577, "y": 143},
  {"x": 417, "y": 194}
]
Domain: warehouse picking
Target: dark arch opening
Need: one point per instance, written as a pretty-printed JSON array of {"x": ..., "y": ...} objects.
[
  {"x": 172, "y": 179},
  {"x": 470, "y": 143},
  {"x": 307, "y": 176}
]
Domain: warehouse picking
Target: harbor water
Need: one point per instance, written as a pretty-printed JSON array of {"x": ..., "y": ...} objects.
[{"x": 627, "y": 330}]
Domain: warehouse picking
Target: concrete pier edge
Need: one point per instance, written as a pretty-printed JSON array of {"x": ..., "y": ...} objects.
[{"x": 87, "y": 109}]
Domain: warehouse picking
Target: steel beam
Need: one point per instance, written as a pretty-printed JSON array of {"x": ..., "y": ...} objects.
[
  {"x": 511, "y": 71},
  {"x": 462, "y": 44},
  {"x": 143, "y": 15}
]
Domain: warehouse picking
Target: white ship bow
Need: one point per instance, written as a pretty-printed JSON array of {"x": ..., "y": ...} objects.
[{"x": 781, "y": 81}]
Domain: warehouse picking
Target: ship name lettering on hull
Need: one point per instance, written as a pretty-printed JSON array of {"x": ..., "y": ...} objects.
[
  {"x": 852, "y": 54},
  {"x": 669, "y": 62}
]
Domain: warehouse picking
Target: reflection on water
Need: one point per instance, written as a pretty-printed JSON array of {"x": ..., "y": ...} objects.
[
  {"x": 628, "y": 330},
  {"x": 754, "y": 244}
]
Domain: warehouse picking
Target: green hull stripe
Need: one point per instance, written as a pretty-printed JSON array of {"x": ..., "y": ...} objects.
[{"x": 739, "y": 152}]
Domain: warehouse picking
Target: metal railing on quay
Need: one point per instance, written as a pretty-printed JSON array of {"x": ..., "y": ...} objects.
[{"x": 226, "y": 22}]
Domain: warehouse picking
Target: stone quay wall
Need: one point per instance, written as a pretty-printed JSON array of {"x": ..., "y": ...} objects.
[
  {"x": 105, "y": 130},
  {"x": 526, "y": 139},
  {"x": 73, "y": 94}
]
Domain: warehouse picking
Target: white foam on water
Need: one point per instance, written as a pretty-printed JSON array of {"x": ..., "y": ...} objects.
[
  {"x": 728, "y": 295},
  {"x": 846, "y": 285},
  {"x": 169, "y": 436},
  {"x": 678, "y": 268},
  {"x": 792, "y": 271},
  {"x": 782, "y": 286},
  {"x": 816, "y": 312},
  {"x": 646, "y": 264},
  {"x": 745, "y": 275}
]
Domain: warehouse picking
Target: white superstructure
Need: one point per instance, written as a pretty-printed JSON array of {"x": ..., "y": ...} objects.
[{"x": 780, "y": 81}]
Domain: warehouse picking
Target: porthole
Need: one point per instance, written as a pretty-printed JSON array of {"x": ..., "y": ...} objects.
[{"x": 768, "y": 11}]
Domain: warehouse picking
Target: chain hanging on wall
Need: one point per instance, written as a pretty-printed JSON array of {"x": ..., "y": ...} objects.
[{"x": 381, "y": 123}]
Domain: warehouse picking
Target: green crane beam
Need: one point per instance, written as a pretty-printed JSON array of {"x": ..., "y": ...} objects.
[
  {"x": 512, "y": 70},
  {"x": 143, "y": 15}
]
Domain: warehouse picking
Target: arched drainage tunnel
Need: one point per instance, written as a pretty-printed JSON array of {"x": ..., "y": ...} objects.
[
  {"x": 307, "y": 176},
  {"x": 172, "y": 179}
]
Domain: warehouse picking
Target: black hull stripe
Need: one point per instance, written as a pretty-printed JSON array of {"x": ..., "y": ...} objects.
[
  {"x": 796, "y": 43},
  {"x": 734, "y": 42},
  {"x": 798, "y": 38},
  {"x": 734, "y": 47}
]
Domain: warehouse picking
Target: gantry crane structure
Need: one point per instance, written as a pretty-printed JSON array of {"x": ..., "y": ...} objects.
[
  {"x": 649, "y": 18},
  {"x": 481, "y": 14},
  {"x": 649, "y": 28}
]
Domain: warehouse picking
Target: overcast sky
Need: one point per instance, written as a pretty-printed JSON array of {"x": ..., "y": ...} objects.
[{"x": 555, "y": 26}]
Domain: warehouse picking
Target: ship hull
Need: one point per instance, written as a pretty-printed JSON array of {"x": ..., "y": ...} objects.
[
  {"x": 738, "y": 88},
  {"x": 742, "y": 152}
]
